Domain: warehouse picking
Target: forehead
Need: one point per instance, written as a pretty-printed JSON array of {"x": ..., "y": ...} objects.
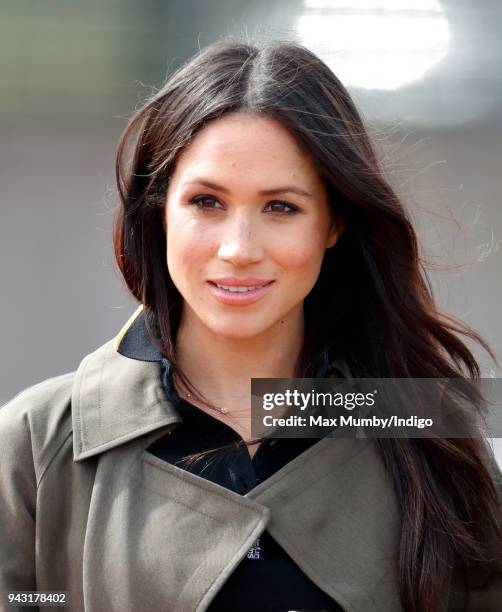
[{"x": 245, "y": 143}]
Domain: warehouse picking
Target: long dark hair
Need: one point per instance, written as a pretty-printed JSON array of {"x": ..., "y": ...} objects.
[{"x": 372, "y": 303}]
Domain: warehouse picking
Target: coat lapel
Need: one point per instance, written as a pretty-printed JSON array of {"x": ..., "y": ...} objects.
[
  {"x": 160, "y": 538},
  {"x": 335, "y": 513}
]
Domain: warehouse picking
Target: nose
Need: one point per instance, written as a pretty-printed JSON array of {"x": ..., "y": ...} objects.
[{"x": 241, "y": 244}]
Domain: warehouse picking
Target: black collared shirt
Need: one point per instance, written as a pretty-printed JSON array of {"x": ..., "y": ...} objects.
[{"x": 267, "y": 579}]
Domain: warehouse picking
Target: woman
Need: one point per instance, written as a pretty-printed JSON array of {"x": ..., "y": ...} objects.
[{"x": 259, "y": 235}]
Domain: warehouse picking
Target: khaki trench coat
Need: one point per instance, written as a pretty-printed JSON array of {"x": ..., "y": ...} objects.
[{"x": 85, "y": 508}]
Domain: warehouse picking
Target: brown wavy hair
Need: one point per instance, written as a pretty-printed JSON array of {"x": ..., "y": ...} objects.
[{"x": 372, "y": 303}]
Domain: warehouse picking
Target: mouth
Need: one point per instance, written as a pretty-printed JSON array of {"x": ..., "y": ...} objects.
[
  {"x": 240, "y": 288},
  {"x": 239, "y": 294}
]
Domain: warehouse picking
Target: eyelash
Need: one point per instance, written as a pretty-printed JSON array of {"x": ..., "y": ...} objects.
[{"x": 197, "y": 200}]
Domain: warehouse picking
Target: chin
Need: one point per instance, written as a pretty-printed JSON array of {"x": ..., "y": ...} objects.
[{"x": 237, "y": 331}]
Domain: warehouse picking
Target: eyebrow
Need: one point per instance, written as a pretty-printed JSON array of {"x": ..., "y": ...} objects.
[{"x": 275, "y": 190}]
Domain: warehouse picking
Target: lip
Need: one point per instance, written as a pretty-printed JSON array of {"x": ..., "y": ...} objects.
[
  {"x": 239, "y": 299},
  {"x": 235, "y": 281}
]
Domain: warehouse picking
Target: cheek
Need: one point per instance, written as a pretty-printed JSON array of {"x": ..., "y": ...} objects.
[
  {"x": 187, "y": 251},
  {"x": 303, "y": 255}
]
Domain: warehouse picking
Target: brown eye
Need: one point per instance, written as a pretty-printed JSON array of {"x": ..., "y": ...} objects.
[
  {"x": 281, "y": 206},
  {"x": 204, "y": 202}
]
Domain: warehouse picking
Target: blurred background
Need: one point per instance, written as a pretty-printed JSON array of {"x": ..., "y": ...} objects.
[{"x": 425, "y": 75}]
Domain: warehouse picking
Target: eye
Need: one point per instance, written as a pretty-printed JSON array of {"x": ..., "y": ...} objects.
[
  {"x": 206, "y": 202},
  {"x": 292, "y": 209},
  {"x": 202, "y": 201}
]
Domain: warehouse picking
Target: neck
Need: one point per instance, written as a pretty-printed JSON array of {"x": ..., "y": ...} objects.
[{"x": 221, "y": 367}]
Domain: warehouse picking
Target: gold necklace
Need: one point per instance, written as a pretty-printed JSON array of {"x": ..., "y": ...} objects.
[{"x": 222, "y": 410}]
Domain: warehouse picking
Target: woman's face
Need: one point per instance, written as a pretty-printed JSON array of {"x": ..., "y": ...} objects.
[{"x": 245, "y": 205}]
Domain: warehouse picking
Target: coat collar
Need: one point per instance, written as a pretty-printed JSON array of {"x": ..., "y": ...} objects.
[{"x": 117, "y": 398}]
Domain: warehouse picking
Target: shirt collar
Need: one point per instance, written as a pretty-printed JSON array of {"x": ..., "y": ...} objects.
[{"x": 134, "y": 341}]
